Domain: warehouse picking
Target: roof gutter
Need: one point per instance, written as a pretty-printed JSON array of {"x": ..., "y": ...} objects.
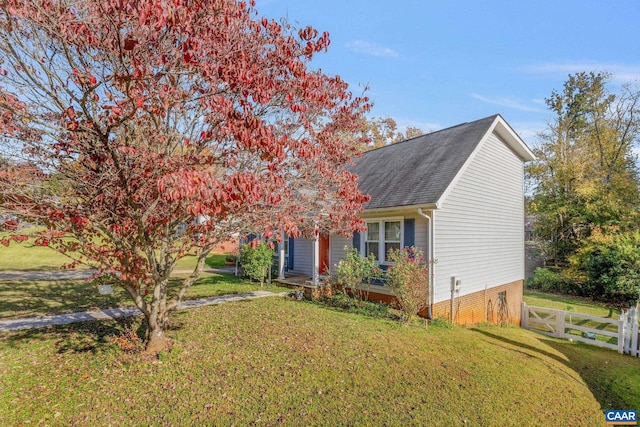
[
  {"x": 399, "y": 208},
  {"x": 429, "y": 260}
]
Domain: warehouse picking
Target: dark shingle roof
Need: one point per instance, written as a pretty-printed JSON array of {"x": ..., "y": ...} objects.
[{"x": 419, "y": 170}]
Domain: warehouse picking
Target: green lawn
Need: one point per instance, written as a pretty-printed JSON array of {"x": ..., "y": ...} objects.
[
  {"x": 26, "y": 256},
  {"x": 569, "y": 303},
  {"x": 281, "y": 362},
  {"x": 212, "y": 261},
  {"x": 20, "y": 299}
]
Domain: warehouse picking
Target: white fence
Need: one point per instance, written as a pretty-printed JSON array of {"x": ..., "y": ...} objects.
[{"x": 619, "y": 334}]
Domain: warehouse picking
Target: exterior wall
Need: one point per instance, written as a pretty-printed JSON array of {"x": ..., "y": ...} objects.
[
  {"x": 337, "y": 244},
  {"x": 421, "y": 225},
  {"x": 472, "y": 308},
  {"x": 302, "y": 257},
  {"x": 479, "y": 237},
  {"x": 482, "y": 306}
]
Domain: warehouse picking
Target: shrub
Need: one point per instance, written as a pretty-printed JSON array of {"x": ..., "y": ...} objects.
[
  {"x": 547, "y": 280},
  {"x": 353, "y": 271},
  {"x": 352, "y": 305},
  {"x": 256, "y": 261},
  {"x": 409, "y": 280},
  {"x": 611, "y": 265}
]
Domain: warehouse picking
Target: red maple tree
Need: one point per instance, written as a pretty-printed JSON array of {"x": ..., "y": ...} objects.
[{"x": 152, "y": 129}]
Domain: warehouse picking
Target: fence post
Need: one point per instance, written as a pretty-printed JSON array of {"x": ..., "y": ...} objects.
[
  {"x": 622, "y": 332},
  {"x": 524, "y": 316},
  {"x": 559, "y": 323},
  {"x": 635, "y": 351}
]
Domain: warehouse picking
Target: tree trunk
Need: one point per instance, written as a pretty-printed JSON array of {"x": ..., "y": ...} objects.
[
  {"x": 156, "y": 337},
  {"x": 156, "y": 341}
]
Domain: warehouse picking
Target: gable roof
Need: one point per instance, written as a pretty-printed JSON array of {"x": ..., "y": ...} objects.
[{"x": 419, "y": 171}]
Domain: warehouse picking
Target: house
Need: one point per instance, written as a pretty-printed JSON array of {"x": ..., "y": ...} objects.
[{"x": 456, "y": 193}]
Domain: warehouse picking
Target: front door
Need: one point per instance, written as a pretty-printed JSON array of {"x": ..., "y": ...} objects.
[{"x": 323, "y": 255}]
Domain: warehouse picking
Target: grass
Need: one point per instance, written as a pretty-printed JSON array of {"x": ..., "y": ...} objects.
[
  {"x": 277, "y": 361},
  {"x": 27, "y": 257},
  {"x": 212, "y": 261},
  {"x": 20, "y": 299}
]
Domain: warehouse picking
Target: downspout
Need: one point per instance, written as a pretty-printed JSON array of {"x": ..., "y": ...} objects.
[
  {"x": 315, "y": 253},
  {"x": 430, "y": 259},
  {"x": 281, "y": 255}
]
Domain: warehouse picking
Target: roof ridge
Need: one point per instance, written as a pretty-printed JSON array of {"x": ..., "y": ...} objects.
[{"x": 431, "y": 133}]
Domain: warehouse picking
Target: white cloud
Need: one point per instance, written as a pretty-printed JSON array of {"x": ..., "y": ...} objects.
[
  {"x": 506, "y": 102},
  {"x": 620, "y": 72},
  {"x": 367, "y": 48}
]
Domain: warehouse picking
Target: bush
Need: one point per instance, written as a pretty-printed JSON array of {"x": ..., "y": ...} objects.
[
  {"x": 611, "y": 265},
  {"x": 352, "y": 305},
  {"x": 353, "y": 271},
  {"x": 409, "y": 280},
  {"x": 547, "y": 280},
  {"x": 256, "y": 261}
]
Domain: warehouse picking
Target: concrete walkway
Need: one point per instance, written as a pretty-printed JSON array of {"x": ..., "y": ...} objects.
[
  {"x": 118, "y": 313},
  {"x": 109, "y": 313}
]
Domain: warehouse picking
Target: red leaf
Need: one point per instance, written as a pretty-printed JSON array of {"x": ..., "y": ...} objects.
[{"x": 129, "y": 44}]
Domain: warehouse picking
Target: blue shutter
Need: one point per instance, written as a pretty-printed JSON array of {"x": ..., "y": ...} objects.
[
  {"x": 409, "y": 232},
  {"x": 356, "y": 240},
  {"x": 290, "y": 263}
]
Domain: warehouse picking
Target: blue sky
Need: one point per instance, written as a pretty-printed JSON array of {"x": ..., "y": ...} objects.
[{"x": 434, "y": 64}]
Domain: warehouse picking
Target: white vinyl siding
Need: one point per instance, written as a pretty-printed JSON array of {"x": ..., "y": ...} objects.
[{"x": 479, "y": 229}]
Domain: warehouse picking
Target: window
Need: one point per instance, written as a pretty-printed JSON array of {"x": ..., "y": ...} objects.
[
  {"x": 372, "y": 241},
  {"x": 381, "y": 236},
  {"x": 391, "y": 236}
]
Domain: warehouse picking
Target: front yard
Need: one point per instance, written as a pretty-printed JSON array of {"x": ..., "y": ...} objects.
[
  {"x": 20, "y": 299},
  {"x": 278, "y": 361}
]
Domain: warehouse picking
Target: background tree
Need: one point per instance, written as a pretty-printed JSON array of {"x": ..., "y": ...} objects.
[
  {"x": 155, "y": 115},
  {"x": 586, "y": 173},
  {"x": 381, "y": 131}
]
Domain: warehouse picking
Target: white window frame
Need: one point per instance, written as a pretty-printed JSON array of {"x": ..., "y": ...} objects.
[{"x": 381, "y": 242}]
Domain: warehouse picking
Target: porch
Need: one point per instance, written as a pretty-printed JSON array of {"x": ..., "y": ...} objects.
[
  {"x": 304, "y": 284},
  {"x": 295, "y": 280}
]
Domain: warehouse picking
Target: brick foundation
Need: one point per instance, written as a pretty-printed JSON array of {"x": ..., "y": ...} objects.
[
  {"x": 483, "y": 306},
  {"x": 469, "y": 309},
  {"x": 230, "y": 246}
]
